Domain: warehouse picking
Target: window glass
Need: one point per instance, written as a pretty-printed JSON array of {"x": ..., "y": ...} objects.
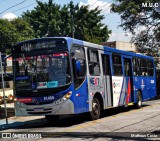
[
  {"x": 143, "y": 63},
  {"x": 42, "y": 71},
  {"x": 144, "y": 71},
  {"x": 79, "y": 65},
  {"x": 106, "y": 64},
  {"x": 134, "y": 61},
  {"x": 93, "y": 55},
  {"x": 117, "y": 65},
  {"x": 94, "y": 67},
  {"x": 150, "y": 68},
  {"x": 143, "y": 67}
]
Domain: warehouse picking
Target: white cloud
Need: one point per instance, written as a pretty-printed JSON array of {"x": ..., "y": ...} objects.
[
  {"x": 125, "y": 37},
  {"x": 104, "y": 6},
  {"x": 9, "y": 16}
]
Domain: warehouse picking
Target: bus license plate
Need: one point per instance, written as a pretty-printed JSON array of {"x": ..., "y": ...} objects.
[{"x": 38, "y": 110}]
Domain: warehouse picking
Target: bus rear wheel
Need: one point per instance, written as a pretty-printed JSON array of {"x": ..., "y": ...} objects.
[
  {"x": 52, "y": 118},
  {"x": 138, "y": 105},
  {"x": 96, "y": 109}
]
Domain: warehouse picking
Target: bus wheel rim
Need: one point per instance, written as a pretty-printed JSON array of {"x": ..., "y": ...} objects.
[
  {"x": 95, "y": 109},
  {"x": 139, "y": 101}
]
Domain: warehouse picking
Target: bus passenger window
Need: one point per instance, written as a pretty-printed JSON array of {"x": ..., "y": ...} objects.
[
  {"x": 117, "y": 65},
  {"x": 137, "y": 66},
  {"x": 93, "y": 60},
  {"x": 143, "y": 67},
  {"x": 150, "y": 68}
]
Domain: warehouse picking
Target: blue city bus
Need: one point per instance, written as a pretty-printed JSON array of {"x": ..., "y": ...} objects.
[{"x": 57, "y": 76}]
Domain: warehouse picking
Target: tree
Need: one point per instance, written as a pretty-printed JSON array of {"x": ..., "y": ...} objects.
[
  {"x": 88, "y": 25},
  {"x": 45, "y": 19},
  {"x": 14, "y": 31},
  {"x": 7, "y": 34},
  {"x": 50, "y": 19},
  {"x": 142, "y": 19}
]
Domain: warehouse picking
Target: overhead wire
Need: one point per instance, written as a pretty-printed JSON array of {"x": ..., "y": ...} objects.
[
  {"x": 13, "y": 6},
  {"x": 106, "y": 8},
  {"x": 24, "y": 7},
  {"x": 93, "y": 4}
]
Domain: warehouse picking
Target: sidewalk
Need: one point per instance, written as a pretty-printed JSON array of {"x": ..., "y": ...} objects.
[{"x": 14, "y": 122}]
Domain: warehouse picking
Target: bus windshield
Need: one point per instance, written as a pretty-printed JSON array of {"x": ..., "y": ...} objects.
[{"x": 41, "y": 71}]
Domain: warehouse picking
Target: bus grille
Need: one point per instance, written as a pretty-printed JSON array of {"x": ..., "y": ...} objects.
[
  {"x": 36, "y": 113},
  {"x": 46, "y": 111},
  {"x": 41, "y": 103}
]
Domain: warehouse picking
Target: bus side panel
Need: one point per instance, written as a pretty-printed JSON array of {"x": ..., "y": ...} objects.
[
  {"x": 81, "y": 98},
  {"x": 122, "y": 94},
  {"x": 117, "y": 84},
  {"x": 152, "y": 87},
  {"x": 141, "y": 84},
  {"x": 126, "y": 94}
]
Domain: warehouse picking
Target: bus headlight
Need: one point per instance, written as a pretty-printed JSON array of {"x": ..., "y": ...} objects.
[
  {"x": 64, "y": 98},
  {"x": 67, "y": 96}
]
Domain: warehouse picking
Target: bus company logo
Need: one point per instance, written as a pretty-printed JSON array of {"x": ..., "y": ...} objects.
[
  {"x": 142, "y": 84},
  {"x": 36, "y": 101},
  {"x": 95, "y": 81},
  {"x": 115, "y": 84}
]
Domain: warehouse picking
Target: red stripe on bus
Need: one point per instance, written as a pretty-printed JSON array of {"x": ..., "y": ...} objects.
[{"x": 24, "y": 100}]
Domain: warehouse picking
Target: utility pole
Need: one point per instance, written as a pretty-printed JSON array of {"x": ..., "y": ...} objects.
[
  {"x": 72, "y": 18},
  {"x": 72, "y": 25}
]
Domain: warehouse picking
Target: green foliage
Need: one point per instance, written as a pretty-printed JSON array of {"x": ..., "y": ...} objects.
[
  {"x": 14, "y": 31},
  {"x": 7, "y": 34},
  {"x": 49, "y": 19},
  {"x": 143, "y": 22}
]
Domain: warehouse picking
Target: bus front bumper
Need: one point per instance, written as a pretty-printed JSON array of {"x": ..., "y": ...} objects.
[{"x": 21, "y": 109}]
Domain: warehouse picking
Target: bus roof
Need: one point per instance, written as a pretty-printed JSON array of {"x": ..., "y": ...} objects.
[
  {"x": 71, "y": 41},
  {"x": 106, "y": 48}
]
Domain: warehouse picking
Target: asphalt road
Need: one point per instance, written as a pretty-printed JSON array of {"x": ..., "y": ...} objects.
[{"x": 116, "y": 124}]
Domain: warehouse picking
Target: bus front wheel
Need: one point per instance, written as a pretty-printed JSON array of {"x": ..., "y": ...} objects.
[
  {"x": 138, "y": 104},
  {"x": 52, "y": 118},
  {"x": 96, "y": 109}
]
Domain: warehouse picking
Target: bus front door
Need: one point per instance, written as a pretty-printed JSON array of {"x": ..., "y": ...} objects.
[{"x": 107, "y": 80}]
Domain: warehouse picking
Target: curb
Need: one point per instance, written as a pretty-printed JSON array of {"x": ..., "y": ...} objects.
[{"x": 11, "y": 124}]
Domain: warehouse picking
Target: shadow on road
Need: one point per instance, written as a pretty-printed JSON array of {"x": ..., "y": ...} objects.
[{"x": 67, "y": 121}]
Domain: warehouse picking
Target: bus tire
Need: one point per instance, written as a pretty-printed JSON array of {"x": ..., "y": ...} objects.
[
  {"x": 138, "y": 104},
  {"x": 52, "y": 118},
  {"x": 96, "y": 109}
]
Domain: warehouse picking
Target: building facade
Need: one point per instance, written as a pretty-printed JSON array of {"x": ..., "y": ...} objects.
[{"x": 126, "y": 46}]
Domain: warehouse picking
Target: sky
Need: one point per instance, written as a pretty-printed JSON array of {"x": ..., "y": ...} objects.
[{"x": 112, "y": 20}]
